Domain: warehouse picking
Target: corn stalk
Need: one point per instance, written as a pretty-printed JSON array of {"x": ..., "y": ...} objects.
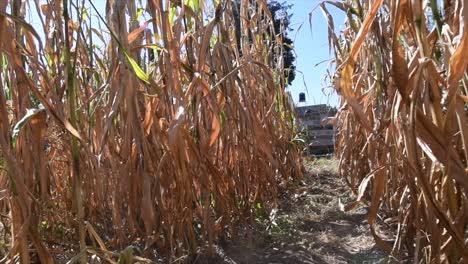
[{"x": 401, "y": 77}]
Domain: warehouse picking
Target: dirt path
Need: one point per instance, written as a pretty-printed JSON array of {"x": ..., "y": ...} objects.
[{"x": 309, "y": 227}]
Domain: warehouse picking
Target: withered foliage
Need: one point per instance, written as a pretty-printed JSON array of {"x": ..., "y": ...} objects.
[
  {"x": 402, "y": 127},
  {"x": 165, "y": 132}
]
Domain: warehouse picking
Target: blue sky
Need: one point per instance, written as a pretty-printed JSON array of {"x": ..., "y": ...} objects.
[{"x": 311, "y": 47}]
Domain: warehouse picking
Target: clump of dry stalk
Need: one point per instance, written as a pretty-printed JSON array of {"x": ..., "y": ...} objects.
[
  {"x": 403, "y": 131},
  {"x": 165, "y": 133}
]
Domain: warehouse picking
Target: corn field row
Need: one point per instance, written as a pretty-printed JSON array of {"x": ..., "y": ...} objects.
[
  {"x": 403, "y": 131},
  {"x": 112, "y": 131}
]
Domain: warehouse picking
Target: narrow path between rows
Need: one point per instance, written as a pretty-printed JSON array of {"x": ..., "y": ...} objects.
[{"x": 309, "y": 227}]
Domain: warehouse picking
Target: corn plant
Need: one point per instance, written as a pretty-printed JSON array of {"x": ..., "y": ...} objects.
[
  {"x": 144, "y": 123},
  {"x": 401, "y": 76}
]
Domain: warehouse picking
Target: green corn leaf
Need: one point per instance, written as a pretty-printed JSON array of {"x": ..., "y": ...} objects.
[
  {"x": 4, "y": 62},
  {"x": 137, "y": 69},
  {"x": 172, "y": 12},
  {"x": 140, "y": 13},
  {"x": 223, "y": 117}
]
